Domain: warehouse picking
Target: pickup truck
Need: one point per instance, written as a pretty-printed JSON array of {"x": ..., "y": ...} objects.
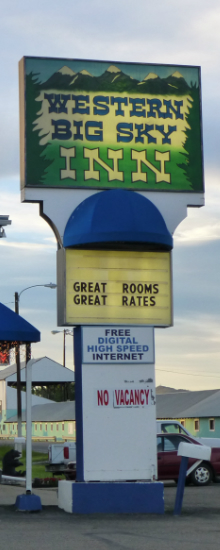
[
  {"x": 174, "y": 426},
  {"x": 59, "y": 456}
]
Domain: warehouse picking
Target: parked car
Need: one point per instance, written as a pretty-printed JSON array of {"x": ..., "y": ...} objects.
[{"x": 169, "y": 461}]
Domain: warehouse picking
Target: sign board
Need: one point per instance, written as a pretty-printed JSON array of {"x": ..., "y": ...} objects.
[
  {"x": 115, "y": 410},
  {"x": 119, "y": 422},
  {"x": 130, "y": 345},
  {"x": 94, "y": 124},
  {"x": 100, "y": 287}
]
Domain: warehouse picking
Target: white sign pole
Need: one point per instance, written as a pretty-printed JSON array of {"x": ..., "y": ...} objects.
[
  {"x": 28, "y": 427},
  {"x": 28, "y": 502}
]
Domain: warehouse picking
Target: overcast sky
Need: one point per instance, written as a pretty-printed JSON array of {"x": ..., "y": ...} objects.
[{"x": 188, "y": 354}]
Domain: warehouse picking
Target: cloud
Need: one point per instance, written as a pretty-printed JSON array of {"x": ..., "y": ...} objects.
[
  {"x": 206, "y": 25},
  {"x": 188, "y": 354},
  {"x": 202, "y": 225},
  {"x": 28, "y": 246},
  {"x": 199, "y": 234},
  {"x": 159, "y": 32},
  {"x": 156, "y": 32},
  {"x": 27, "y": 225}
]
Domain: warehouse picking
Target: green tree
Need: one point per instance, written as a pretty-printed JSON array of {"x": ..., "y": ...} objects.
[{"x": 56, "y": 392}]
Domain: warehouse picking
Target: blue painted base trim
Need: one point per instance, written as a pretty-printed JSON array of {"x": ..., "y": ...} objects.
[
  {"x": 117, "y": 498},
  {"x": 28, "y": 503}
]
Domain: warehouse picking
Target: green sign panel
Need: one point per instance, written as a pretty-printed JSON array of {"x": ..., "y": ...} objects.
[{"x": 105, "y": 125}]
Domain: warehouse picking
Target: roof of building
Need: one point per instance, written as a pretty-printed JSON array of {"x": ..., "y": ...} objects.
[
  {"x": 12, "y": 400},
  {"x": 167, "y": 389},
  {"x": 44, "y": 370},
  {"x": 193, "y": 404},
  {"x": 51, "y": 412}
]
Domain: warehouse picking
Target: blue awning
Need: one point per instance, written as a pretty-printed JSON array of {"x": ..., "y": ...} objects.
[
  {"x": 13, "y": 328},
  {"x": 117, "y": 216}
]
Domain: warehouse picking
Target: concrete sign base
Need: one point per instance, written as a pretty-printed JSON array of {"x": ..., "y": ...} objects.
[{"x": 111, "y": 498}]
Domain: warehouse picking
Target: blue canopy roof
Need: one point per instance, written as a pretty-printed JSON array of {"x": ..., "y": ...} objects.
[
  {"x": 13, "y": 328},
  {"x": 117, "y": 216}
]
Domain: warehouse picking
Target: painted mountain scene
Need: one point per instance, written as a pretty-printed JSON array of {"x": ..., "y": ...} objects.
[
  {"x": 112, "y": 125},
  {"x": 113, "y": 79}
]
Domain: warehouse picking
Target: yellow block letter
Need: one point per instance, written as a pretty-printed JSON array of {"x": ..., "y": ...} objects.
[
  {"x": 141, "y": 157},
  {"x": 93, "y": 156}
]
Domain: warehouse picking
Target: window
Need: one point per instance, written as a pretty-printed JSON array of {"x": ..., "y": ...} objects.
[
  {"x": 172, "y": 443},
  {"x": 70, "y": 428},
  {"x": 51, "y": 427},
  {"x": 212, "y": 424},
  {"x": 196, "y": 425},
  {"x": 35, "y": 427},
  {"x": 40, "y": 427},
  {"x": 57, "y": 427},
  {"x": 159, "y": 444},
  {"x": 62, "y": 426},
  {"x": 183, "y": 422},
  {"x": 171, "y": 428}
]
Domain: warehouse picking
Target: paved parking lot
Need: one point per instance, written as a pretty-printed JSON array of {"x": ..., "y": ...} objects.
[{"x": 198, "y": 527}]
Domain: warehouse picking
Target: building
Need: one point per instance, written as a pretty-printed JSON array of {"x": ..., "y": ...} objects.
[
  {"x": 45, "y": 372},
  {"x": 198, "y": 411},
  {"x": 50, "y": 421}
]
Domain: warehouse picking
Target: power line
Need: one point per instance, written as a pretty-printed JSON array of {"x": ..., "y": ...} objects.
[{"x": 189, "y": 373}]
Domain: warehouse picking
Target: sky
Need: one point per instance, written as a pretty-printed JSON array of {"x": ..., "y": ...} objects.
[{"x": 187, "y": 354}]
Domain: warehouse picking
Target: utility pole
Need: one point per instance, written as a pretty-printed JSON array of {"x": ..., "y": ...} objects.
[{"x": 64, "y": 348}]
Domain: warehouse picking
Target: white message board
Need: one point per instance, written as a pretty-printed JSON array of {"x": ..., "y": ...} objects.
[
  {"x": 118, "y": 344},
  {"x": 118, "y": 408},
  {"x": 119, "y": 428}
]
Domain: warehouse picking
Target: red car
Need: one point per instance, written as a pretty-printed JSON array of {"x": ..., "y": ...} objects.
[{"x": 169, "y": 461}]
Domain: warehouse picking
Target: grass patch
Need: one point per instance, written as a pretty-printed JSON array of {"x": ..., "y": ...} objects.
[{"x": 37, "y": 457}]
